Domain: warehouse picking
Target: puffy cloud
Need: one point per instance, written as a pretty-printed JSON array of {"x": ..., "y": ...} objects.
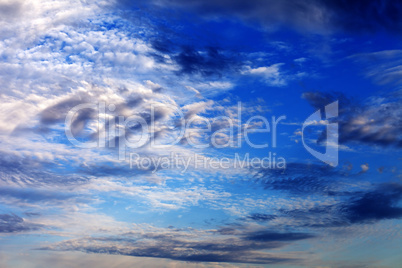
[{"x": 364, "y": 167}]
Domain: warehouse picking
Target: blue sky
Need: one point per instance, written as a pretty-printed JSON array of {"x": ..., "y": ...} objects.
[{"x": 108, "y": 105}]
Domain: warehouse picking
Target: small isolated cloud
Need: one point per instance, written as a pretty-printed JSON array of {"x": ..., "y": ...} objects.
[
  {"x": 270, "y": 74},
  {"x": 197, "y": 93},
  {"x": 300, "y": 60},
  {"x": 364, "y": 167}
]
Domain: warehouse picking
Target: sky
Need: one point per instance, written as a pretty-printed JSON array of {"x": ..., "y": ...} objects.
[{"x": 200, "y": 133}]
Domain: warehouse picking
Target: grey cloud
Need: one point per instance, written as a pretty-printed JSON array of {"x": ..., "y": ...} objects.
[
  {"x": 274, "y": 236},
  {"x": 10, "y": 10},
  {"x": 299, "y": 178},
  {"x": 241, "y": 249},
  {"x": 28, "y": 172},
  {"x": 376, "y": 123},
  {"x": 261, "y": 217},
  {"x": 35, "y": 195},
  {"x": 32, "y": 214},
  {"x": 378, "y": 204},
  {"x": 357, "y": 207},
  {"x": 57, "y": 113},
  {"x": 212, "y": 63},
  {"x": 11, "y": 223}
]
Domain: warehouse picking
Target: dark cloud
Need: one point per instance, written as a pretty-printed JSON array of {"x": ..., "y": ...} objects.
[
  {"x": 301, "y": 185},
  {"x": 317, "y": 16},
  {"x": 242, "y": 248},
  {"x": 299, "y": 178},
  {"x": 273, "y": 236},
  {"x": 320, "y": 99},
  {"x": 261, "y": 217},
  {"x": 228, "y": 231},
  {"x": 58, "y": 112},
  {"x": 209, "y": 63},
  {"x": 29, "y": 172},
  {"x": 11, "y": 223},
  {"x": 379, "y": 203},
  {"x": 376, "y": 123},
  {"x": 35, "y": 195},
  {"x": 192, "y": 59},
  {"x": 10, "y": 10},
  {"x": 32, "y": 214},
  {"x": 369, "y": 16},
  {"x": 81, "y": 119},
  {"x": 187, "y": 42},
  {"x": 322, "y": 216}
]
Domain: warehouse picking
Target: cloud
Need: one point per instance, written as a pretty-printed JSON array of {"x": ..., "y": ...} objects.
[
  {"x": 16, "y": 171},
  {"x": 10, "y": 9},
  {"x": 208, "y": 63},
  {"x": 67, "y": 54},
  {"x": 272, "y": 236},
  {"x": 383, "y": 67},
  {"x": 299, "y": 178},
  {"x": 11, "y": 223},
  {"x": 34, "y": 195},
  {"x": 365, "y": 206},
  {"x": 58, "y": 112},
  {"x": 195, "y": 246},
  {"x": 364, "y": 167},
  {"x": 317, "y": 16},
  {"x": 261, "y": 217},
  {"x": 376, "y": 123},
  {"x": 379, "y": 204},
  {"x": 270, "y": 74}
]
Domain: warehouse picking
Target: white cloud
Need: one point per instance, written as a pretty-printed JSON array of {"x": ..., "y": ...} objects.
[{"x": 270, "y": 74}]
